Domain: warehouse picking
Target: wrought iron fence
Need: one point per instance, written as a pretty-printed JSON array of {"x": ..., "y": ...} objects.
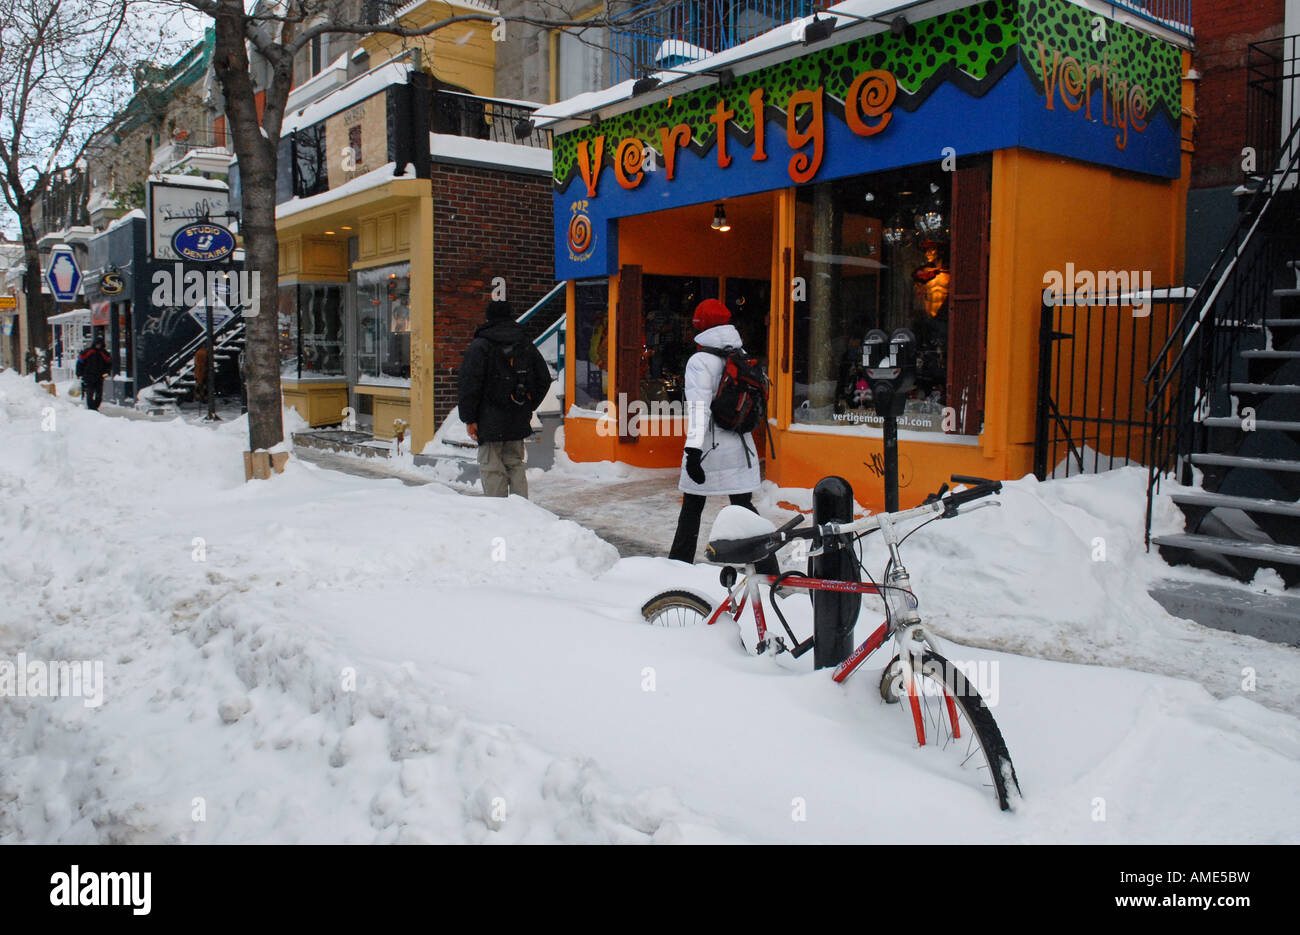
[
  {"x": 1272, "y": 107},
  {"x": 485, "y": 118},
  {"x": 1172, "y": 14},
  {"x": 1092, "y": 402}
]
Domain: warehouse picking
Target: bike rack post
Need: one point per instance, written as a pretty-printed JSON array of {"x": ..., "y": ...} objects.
[{"x": 833, "y": 614}]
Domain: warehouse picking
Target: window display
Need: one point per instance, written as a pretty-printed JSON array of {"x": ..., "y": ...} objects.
[
  {"x": 591, "y": 345},
  {"x": 871, "y": 252},
  {"x": 311, "y": 330},
  {"x": 668, "y": 303},
  {"x": 384, "y": 324}
]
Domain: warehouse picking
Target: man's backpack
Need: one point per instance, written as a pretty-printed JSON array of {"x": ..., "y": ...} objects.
[
  {"x": 516, "y": 378},
  {"x": 740, "y": 402}
]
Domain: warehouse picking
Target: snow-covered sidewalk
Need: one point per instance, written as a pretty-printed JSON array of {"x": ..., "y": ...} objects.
[{"x": 326, "y": 657}]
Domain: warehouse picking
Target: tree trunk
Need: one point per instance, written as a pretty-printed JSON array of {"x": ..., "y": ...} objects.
[
  {"x": 36, "y": 325},
  {"x": 257, "y": 168}
]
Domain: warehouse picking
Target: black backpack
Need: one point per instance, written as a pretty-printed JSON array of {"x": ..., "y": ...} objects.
[
  {"x": 740, "y": 403},
  {"x": 516, "y": 377}
]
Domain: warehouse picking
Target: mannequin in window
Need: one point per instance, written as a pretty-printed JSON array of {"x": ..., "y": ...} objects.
[{"x": 931, "y": 285}]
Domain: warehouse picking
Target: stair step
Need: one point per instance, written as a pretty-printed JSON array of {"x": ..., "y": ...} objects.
[
  {"x": 1282, "y": 322},
  {"x": 1204, "y": 498},
  {"x": 1271, "y": 355},
  {"x": 1286, "y": 293},
  {"x": 1258, "y": 551},
  {"x": 1234, "y": 422},
  {"x": 1238, "y": 461},
  {"x": 1263, "y": 388}
]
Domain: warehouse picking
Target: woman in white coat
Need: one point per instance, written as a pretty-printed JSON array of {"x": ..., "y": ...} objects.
[{"x": 716, "y": 461}]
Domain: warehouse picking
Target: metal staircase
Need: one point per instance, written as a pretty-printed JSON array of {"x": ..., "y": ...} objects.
[
  {"x": 1225, "y": 397},
  {"x": 176, "y": 383}
]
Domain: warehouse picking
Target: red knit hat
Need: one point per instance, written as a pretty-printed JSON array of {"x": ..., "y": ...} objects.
[{"x": 709, "y": 314}]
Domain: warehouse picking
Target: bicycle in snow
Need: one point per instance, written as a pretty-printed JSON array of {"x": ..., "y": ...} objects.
[{"x": 944, "y": 706}]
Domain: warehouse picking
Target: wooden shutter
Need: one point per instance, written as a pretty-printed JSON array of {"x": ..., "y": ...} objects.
[
  {"x": 968, "y": 296},
  {"x": 631, "y": 343}
]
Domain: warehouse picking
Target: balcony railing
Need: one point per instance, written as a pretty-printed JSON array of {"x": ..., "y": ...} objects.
[
  {"x": 661, "y": 34},
  {"x": 1272, "y": 104},
  {"x": 188, "y": 145},
  {"x": 484, "y": 118}
]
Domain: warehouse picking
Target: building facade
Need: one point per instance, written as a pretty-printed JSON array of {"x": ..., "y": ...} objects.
[{"x": 935, "y": 170}]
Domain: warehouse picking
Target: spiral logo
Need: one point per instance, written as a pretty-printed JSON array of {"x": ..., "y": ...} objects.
[
  {"x": 579, "y": 233},
  {"x": 872, "y": 94}
]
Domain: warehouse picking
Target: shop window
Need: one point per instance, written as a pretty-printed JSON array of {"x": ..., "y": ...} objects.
[
  {"x": 590, "y": 342},
  {"x": 668, "y": 304},
  {"x": 876, "y": 252},
  {"x": 310, "y": 170},
  {"x": 311, "y": 330},
  {"x": 384, "y": 324}
]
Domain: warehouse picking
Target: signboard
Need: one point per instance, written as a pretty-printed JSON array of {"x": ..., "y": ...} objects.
[
  {"x": 173, "y": 204},
  {"x": 112, "y": 284},
  {"x": 7, "y": 328},
  {"x": 62, "y": 274},
  {"x": 220, "y": 315},
  {"x": 203, "y": 243},
  {"x": 8, "y": 302},
  {"x": 99, "y": 313}
]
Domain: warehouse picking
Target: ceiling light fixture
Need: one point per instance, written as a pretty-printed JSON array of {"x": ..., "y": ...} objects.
[{"x": 720, "y": 222}]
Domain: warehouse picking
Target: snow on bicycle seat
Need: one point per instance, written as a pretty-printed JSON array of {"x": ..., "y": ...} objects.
[{"x": 739, "y": 537}]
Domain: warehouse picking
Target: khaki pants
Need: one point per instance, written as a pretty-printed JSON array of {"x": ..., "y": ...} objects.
[{"x": 501, "y": 466}]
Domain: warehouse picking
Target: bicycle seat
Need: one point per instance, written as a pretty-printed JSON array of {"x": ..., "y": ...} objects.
[{"x": 740, "y": 537}]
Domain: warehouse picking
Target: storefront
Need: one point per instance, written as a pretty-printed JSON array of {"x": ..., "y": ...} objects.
[
  {"x": 932, "y": 170},
  {"x": 374, "y": 310}
]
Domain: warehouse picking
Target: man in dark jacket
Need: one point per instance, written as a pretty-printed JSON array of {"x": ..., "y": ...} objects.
[
  {"x": 496, "y": 404},
  {"x": 93, "y": 364}
]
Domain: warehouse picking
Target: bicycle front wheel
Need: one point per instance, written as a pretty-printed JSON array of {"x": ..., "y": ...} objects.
[
  {"x": 675, "y": 608},
  {"x": 956, "y": 720}
]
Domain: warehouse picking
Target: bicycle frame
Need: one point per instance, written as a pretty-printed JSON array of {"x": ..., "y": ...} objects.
[{"x": 901, "y": 622}]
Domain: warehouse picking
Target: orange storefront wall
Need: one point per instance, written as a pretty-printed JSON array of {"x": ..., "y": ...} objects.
[{"x": 1046, "y": 212}]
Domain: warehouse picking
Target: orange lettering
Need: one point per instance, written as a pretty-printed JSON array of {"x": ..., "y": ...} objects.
[
  {"x": 1049, "y": 83},
  {"x": 591, "y": 169},
  {"x": 1073, "y": 83},
  {"x": 679, "y": 135},
  {"x": 719, "y": 119},
  {"x": 760, "y": 125},
  {"x": 871, "y": 94},
  {"x": 627, "y": 162},
  {"x": 802, "y": 166}
]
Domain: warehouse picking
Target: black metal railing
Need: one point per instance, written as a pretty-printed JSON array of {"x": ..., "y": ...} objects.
[
  {"x": 380, "y": 11},
  {"x": 1272, "y": 103},
  {"x": 1188, "y": 377},
  {"x": 485, "y": 118},
  {"x": 1092, "y": 353}
]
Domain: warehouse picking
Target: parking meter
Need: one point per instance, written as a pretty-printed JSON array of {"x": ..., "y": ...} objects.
[{"x": 890, "y": 363}]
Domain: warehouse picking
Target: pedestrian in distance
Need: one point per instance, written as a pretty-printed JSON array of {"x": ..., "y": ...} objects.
[
  {"x": 201, "y": 373},
  {"x": 716, "y": 461},
  {"x": 503, "y": 379},
  {"x": 93, "y": 365}
]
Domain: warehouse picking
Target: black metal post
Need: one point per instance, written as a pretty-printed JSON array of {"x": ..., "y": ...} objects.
[
  {"x": 1044, "y": 391},
  {"x": 891, "y": 463},
  {"x": 211, "y": 375},
  {"x": 833, "y": 614}
]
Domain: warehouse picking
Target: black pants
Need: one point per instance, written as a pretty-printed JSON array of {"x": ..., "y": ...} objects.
[
  {"x": 688, "y": 530},
  {"x": 93, "y": 390}
]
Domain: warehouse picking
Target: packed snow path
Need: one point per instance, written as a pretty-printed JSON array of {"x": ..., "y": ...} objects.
[{"x": 505, "y": 689}]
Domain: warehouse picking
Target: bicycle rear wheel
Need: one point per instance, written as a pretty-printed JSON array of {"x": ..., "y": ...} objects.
[
  {"x": 676, "y": 608},
  {"x": 957, "y": 721}
]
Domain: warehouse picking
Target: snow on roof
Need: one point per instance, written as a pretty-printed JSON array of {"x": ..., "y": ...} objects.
[
  {"x": 777, "y": 38},
  {"x": 355, "y": 91},
  {"x": 127, "y": 218},
  {"x": 74, "y": 315},
  {"x": 680, "y": 48},
  {"x": 490, "y": 153},
  {"x": 373, "y": 179},
  {"x": 315, "y": 86},
  {"x": 192, "y": 181}
]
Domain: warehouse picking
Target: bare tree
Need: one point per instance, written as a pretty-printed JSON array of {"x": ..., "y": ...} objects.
[
  {"x": 61, "y": 71},
  {"x": 277, "y": 30}
]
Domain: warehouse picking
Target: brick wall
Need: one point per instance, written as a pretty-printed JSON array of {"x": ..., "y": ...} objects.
[
  {"x": 486, "y": 223},
  {"x": 1223, "y": 31}
]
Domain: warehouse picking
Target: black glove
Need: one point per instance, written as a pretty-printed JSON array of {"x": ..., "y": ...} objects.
[{"x": 694, "y": 469}]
